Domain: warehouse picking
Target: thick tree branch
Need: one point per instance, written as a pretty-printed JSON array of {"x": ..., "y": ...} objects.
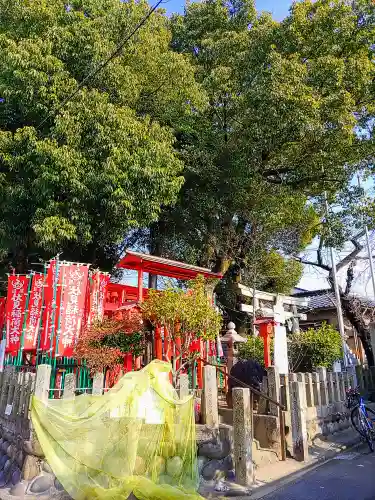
[
  {"x": 353, "y": 255},
  {"x": 315, "y": 264}
]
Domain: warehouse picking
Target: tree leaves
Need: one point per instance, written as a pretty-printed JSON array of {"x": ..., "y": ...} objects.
[
  {"x": 78, "y": 180},
  {"x": 285, "y": 103}
]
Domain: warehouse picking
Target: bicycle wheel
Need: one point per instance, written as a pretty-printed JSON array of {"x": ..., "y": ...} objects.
[{"x": 360, "y": 424}]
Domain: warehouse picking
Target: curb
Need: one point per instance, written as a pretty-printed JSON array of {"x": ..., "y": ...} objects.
[{"x": 264, "y": 490}]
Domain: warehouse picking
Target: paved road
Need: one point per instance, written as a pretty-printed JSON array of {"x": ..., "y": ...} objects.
[{"x": 349, "y": 477}]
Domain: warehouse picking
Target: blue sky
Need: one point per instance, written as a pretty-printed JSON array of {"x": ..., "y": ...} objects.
[{"x": 279, "y": 8}]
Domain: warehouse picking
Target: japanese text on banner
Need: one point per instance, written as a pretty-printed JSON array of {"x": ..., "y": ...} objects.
[
  {"x": 97, "y": 297},
  {"x": 73, "y": 306},
  {"x": 16, "y": 308},
  {"x": 49, "y": 302},
  {"x": 34, "y": 313}
]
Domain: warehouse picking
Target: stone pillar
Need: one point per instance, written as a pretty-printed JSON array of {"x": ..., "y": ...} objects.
[
  {"x": 69, "y": 386},
  {"x": 242, "y": 436},
  {"x": 352, "y": 374},
  {"x": 273, "y": 377},
  {"x": 285, "y": 400},
  {"x": 359, "y": 375},
  {"x": 263, "y": 403},
  {"x": 17, "y": 395},
  {"x": 316, "y": 389},
  {"x": 299, "y": 428},
  {"x": 336, "y": 387},
  {"x": 12, "y": 386},
  {"x": 372, "y": 372},
  {"x": 4, "y": 390},
  {"x": 309, "y": 390},
  {"x": 42, "y": 383},
  {"x": 209, "y": 397},
  {"x": 184, "y": 386},
  {"x": 98, "y": 384},
  {"x": 330, "y": 389},
  {"x": 342, "y": 390},
  {"x": 29, "y": 391},
  {"x": 323, "y": 385}
]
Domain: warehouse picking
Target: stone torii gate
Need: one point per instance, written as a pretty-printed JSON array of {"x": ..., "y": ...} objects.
[{"x": 271, "y": 311}]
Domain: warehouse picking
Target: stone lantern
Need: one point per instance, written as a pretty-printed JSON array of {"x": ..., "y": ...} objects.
[{"x": 232, "y": 339}]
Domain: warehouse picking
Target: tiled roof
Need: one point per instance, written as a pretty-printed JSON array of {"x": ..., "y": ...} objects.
[{"x": 325, "y": 299}]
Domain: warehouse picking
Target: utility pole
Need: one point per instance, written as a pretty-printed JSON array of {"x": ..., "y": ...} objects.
[
  {"x": 370, "y": 260},
  {"x": 337, "y": 295}
]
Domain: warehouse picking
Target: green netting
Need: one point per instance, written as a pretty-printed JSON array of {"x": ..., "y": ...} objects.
[{"x": 137, "y": 438}]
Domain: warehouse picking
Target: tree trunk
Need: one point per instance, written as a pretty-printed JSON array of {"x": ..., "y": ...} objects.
[
  {"x": 353, "y": 313},
  {"x": 222, "y": 265},
  {"x": 154, "y": 249},
  {"x": 22, "y": 261}
]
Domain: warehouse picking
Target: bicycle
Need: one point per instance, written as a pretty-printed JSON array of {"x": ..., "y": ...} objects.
[{"x": 360, "y": 417}]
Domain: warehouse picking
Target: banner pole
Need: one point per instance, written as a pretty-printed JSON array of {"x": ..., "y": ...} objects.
[
  {"x": 40, "y": 332},
  {"x": 20, "y": 351}
]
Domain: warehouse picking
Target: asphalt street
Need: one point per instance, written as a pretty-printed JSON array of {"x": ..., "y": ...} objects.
[{"x": 351, "y": 476}]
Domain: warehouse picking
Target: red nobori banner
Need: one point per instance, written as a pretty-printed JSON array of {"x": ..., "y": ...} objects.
[
  {"x": 52, "y": 304},
  {"x": 74, "y": 279},
  {"x": 48, "y": 306},
  {"x": 3, "y": 302},
  {"x": 15, "y": 311},
  {"x": 34, "y": 313},
  {"x": 99, "y": 282}
]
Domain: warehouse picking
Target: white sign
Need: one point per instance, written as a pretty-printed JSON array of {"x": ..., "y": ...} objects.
[
  {"x": 8, "y": 410},
  {"x": 281, "y": 350}
]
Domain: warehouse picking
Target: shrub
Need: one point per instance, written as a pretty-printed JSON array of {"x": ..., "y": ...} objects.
[
  {"x": 253, "y": 349},
  {"x": 306, "y": 350},
  {"x": 314, "y": 347}
]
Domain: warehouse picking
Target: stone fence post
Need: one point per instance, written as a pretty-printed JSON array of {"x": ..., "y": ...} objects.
[
  {"x": 69, "y": 386},
  {"x": 210, "y": 409},
  {"x": 323, "y": 386},
  {"x": 184, "y": 385},
  {"x": 298, "y": 417},
  {"x": 273, "y": 377},
  {"x": 42, "y": 383},
  {"x": 98, "y": 384},
  {"x": 242, "y": 436}
]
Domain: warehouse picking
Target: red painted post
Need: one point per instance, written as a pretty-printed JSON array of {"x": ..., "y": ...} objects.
[
  {"x": 158, "y": 343},
  {"x": 178, "y": 352},
  {"x": 128, "y": 363},
  {"x": 265, "y": 331},
  {"x": 140, "y": 285},
  {"x": 200, "y": 366}
]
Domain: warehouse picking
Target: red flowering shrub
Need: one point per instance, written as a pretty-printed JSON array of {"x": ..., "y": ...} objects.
[{"x": 105, "y": 344}]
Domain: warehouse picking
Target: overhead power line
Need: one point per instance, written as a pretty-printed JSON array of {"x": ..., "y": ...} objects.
[{"x": 103, "y": 64}]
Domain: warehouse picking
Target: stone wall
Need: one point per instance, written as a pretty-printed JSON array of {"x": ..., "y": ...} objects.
[
  {"x": 215, "y": 448},
  {"x": 23, "y": 471},
  {"x": 324, "y": 401},
  {"x": 315, "y": 407}
]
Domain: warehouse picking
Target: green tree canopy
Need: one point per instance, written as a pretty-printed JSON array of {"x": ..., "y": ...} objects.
[
  {"x": 286, "y": 103},
  {"x": 79, "y": 179}
]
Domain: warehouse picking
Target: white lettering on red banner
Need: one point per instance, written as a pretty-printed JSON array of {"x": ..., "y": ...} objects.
[
  {"x": 97, "y": 297},
  {"x": 16, "y": 302},
  {"x": 34, "y": 312},
  {"x": 73, "y": 304},
  {"x": 45, "y": 342}
]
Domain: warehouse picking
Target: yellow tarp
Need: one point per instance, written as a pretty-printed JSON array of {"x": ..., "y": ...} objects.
[{"x": 137, "y": 438}]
